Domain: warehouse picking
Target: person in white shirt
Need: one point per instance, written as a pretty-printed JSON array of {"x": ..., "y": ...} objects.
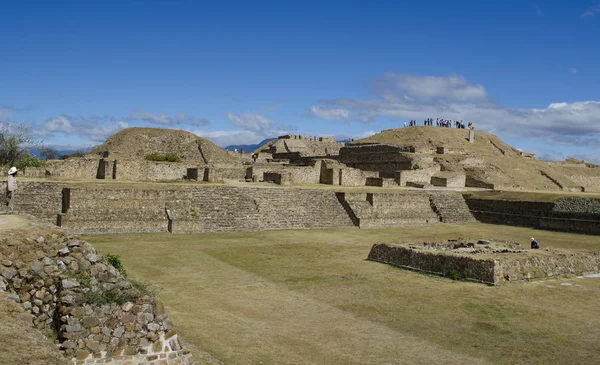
[{"x": 11, "y": 187}]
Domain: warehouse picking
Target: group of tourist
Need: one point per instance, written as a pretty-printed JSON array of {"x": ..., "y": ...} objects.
[{"x": 446, "y": 123}]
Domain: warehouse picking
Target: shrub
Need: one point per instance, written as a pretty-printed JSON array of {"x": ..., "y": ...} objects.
[
  {"x": 416, "y": 166},
  {"x": 166, "y": 157},
  {"x": 27, "y": 160},
  {"x": 109, "y": 296},
  {"x": 115, "y": 261},
  {"x": 452, "y": 274}
]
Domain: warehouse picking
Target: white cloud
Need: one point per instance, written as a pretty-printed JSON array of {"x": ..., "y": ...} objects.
[
  {"x": 77, "y": 125},
  {"x": 251, "y": 122},
  {"x": 5, "y": 111},
  {"x": 538, "y": 10},
  {"x": 227, "y": 138},
  {"x": 591, "y": 11},
  {"x": 567, "y": 123},
  {"x": 329, "y": 113},
  {"x": 166, "y": 120},
  {"x": 395, "y": 86},
  {"x": 573, "y": 70}
]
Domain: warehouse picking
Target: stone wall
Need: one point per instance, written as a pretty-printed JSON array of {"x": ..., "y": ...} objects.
[
  {"x": 385, "y": 159},
  {"x": 570, "y": 214},
  {"x": 114, "y": 210},
  {"x": 448, "y": 179},
  {"x": 129, "y": 170},
  {"x": 374, "y": 210},
  {"x": 41, "y": 199},
  {"x": 494, "y": 269},
  {"x": 298, "y": 174},
  {"x": 73, "y": 168},
  {"x": 83, "y": 301},
  {"x": 279, "y": 178},
  {"x": 199, "y": 209},
  {"x": 434, "y": 263},
  {"x": 422, "y": 175}
]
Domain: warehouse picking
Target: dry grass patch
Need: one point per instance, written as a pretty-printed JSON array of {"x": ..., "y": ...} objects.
[
  {"x": 21, "y": 343},
  {"x": 310, "y": 297}
]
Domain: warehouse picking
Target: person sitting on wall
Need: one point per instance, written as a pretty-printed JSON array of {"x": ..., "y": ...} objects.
[{"x": 534, "y": 243}]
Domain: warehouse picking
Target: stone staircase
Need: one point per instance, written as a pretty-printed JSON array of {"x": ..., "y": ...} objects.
[
  {"x": 375, "y": 210},
  {"x": 451, "y": 208}
]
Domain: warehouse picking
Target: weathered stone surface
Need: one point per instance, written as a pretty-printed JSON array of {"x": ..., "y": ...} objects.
[
  {"x": 69, "y": 283},
  {"x": 119, "y": 331},
  {"x": 9, "y": 273},
  {"x": 82, "y": 354},
  {"x": 90, "y": 321},
  {"x": 68, "y": 345},
  {"x": 127, "y": 306}
]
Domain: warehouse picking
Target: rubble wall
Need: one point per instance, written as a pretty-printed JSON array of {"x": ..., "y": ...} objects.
[{"x": 82, "y": 301}]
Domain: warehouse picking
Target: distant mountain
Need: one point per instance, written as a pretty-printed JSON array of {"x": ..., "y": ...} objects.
[
  {"x": 59, "y": 152},
  {"x": 249, "y": 147}
]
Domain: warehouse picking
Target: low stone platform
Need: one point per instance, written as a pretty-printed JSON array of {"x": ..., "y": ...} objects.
[{"x": 486, "y": 261}]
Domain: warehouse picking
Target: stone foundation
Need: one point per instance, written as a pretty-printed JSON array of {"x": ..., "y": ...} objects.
[{"x": 484, "y": 261}]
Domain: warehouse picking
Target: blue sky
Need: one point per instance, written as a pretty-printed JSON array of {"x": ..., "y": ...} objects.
[{"x": 239, "y": 72}]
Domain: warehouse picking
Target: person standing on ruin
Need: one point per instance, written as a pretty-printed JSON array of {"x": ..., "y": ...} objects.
[
  {"x": 404, "y": 124},
  {"x": 11, "y": 187}
]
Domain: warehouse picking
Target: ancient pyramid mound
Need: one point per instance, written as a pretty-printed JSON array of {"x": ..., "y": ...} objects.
[
  {"x": 433, "y": 137},
  {"x": 137, "y": 143},
  {"x": 488, "y": 160}
]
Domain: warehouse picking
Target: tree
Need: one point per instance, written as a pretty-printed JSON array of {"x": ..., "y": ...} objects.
[
  {"x": 48, "y": 153},
  {"x": 14, "y": 140}
]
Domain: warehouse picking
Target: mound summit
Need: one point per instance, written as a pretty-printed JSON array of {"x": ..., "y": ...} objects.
[
  {"x": 488, "y": 159},
  {"x": 137, "y": 143}
]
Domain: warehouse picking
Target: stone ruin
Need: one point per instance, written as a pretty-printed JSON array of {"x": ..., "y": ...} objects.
[
  {"x": 81, "y": 300},
  {"x": 486, "y": 261},
  {"x": 392, "y": 158}
]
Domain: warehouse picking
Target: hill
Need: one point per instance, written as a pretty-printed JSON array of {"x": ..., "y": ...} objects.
[
  {"x": 433, "y": 137},
  {"x": 489, "y": 160},
  {"x": 137, "y": 143},
  {"x": 249, "y": 147}
]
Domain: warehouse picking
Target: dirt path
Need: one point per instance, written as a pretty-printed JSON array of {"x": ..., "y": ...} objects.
[{"x": 10, "y": 222}]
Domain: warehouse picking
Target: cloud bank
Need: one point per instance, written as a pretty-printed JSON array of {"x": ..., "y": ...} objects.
[
  {"x": 89, "y": 128},
  {"x": 166, "y": 120},
  {"x": 400, "y": 96}
]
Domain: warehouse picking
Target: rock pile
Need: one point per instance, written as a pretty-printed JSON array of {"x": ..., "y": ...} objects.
[{"x": 82, "y": 299}]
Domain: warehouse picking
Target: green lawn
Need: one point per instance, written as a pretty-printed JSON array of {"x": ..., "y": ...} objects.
[{"x": 310, "y": 297}]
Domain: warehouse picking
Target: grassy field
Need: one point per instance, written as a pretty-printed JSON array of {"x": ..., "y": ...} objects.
[{"x": 310, "y": 297}]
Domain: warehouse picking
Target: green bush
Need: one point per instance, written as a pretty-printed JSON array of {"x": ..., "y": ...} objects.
[
  {"x": 416, "y": 166},
  {"x": 27, "y": 160},
  {"x": 452, "y": 274},
  {"x": 108, "y": 296},
  {"x": 166, "y": 157},
  {"x": 115, "y": 261}
]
